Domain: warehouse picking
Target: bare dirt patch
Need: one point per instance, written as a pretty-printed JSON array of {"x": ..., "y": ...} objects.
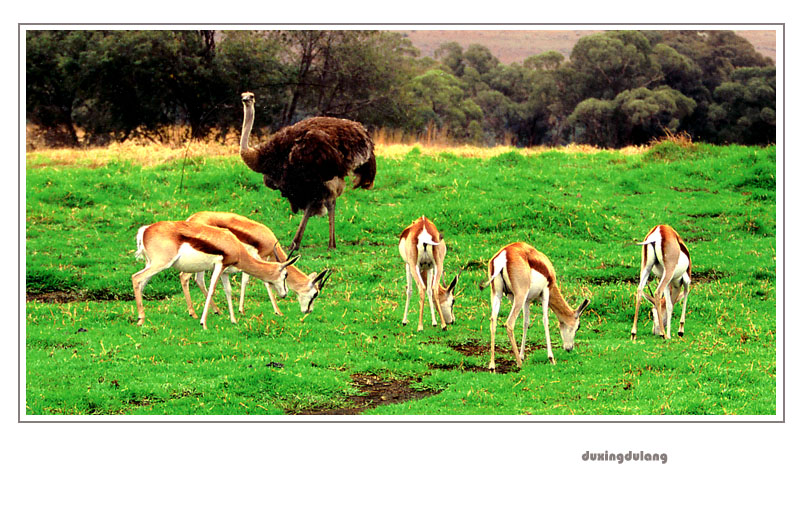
[
  {"x": 503, "y": 359},
  {"x": 56, "y": 296},
  {"x": 378, "y": 391}
]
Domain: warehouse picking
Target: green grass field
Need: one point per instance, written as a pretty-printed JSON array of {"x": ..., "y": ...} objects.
[{"x": 585, "y": 211}]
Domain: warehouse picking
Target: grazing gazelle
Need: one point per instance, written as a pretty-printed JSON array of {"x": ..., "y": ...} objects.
[
  {"x": 260, "y": 241},
  {"x": 665, "y": 254},
  {"x": 423, "y": 251},
  {"x": 525, "y": 274},
  {"x": 194, "y": 247}
]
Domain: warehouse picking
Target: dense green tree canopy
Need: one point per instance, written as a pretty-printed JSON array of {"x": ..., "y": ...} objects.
[{"x": 615, "y": 88}]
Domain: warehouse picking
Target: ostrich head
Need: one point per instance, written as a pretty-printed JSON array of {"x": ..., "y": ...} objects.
[{"x": 248, "y": 102}]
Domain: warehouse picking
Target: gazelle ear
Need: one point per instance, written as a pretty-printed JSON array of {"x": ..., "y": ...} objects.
[
  {"x": 581, "y": 308},
  {"x": 317, "y": 277},
  {"x": 453, "y": 284},
  {"x": 323, "y": 277},
  {"x": 290, "y": 262}
]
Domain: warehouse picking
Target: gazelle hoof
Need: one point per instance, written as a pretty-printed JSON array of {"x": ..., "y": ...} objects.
[
  {"x": 680, "y": 334},
  {"x": 552, "y": 360}
]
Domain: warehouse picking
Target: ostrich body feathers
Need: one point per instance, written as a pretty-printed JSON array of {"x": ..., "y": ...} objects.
[{"x": 308, "y": 161}]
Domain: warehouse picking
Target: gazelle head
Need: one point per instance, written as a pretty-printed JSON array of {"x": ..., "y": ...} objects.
[
  {"x": 569, "y": 327},
  {"x": 447, "y": 302},
  {"x": 280, "y": 285},
  {"x": 307, "y": 295}
]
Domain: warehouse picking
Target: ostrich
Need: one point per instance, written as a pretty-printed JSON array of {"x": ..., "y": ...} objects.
[{"x": 308, "y": 161}]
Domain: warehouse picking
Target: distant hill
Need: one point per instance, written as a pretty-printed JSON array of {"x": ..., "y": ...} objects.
[{"x": 516, "y": 45}]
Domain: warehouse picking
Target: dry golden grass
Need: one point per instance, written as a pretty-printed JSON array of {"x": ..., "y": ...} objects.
[
  {"x": 147, "y": 154},
  {"x": 399, "y": 150},
  {"x": 389, "y": 144},
  {"x": 682, "y": 139},
  {"x": 153, "y": 154}
]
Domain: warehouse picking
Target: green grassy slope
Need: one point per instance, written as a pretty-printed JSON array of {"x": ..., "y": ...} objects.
[{"x": 585, "y": 211}]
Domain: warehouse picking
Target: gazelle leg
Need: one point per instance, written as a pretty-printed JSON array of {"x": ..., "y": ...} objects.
[
  {"x": 495, "y": 299},
  {"x": 519, "y": 301},
  {"x": 429, "y": 284},
  {"x": 272, "y": 299},
  {"x": 433, "y": 286},
  {"x": 654, "y": 315},
  {"x": 200, "y": 279},
  {"x": 409, "y": 291},
  {"x": 226, "y": 286},
  {"x": 526, "y": 322},
  {"x": 644, "y": 275},
  {"x": 211, "y": 287},
  {"x": 546, "y": 322},
  {"x": 683, "y": 312},
  {"x": 139, "y": 280},
  {"x": 245, "y": 279},
  {"x": 662, "y": 292},
  {"x": 421, "y": 289},
  {"x": 185, "y": 277},
  {"x": 668, "y": 313}
]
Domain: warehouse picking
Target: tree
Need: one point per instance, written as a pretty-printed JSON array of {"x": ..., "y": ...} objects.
[
  {"x": 646, "y": 114},
  {"x": 345, "y": 73},
  {"x": 451, "y": 55},
  {"x": 480, "y": 58},
  {"x": 608, "y": 63},
  {"x": 249, "y": 61},
  {"x": 499, "y": 114},
  {"x": 437, "y": 98},
  {"x": 545, "y": 61},
  {"x": 744, "y": 108},
  {"x": 139, "y": 81},
  {"x": 593, "y": 120}
]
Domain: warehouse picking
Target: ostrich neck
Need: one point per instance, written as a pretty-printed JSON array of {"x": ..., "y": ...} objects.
[{"x": 247, "y": 126}]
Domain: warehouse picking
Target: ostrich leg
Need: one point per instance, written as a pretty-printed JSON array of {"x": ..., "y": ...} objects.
[
  {"x": 298, "y": 236},
  {"x": 331, "y": 223}
]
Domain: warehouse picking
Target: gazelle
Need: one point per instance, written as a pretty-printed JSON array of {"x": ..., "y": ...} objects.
[
  {"x": 525, "y": 274},
  {"x": 423, "y": 249},
  {"x": 665, "y": 254},
  {"x": 193, "y": 247},
  {"x": 259, "y": 241}
]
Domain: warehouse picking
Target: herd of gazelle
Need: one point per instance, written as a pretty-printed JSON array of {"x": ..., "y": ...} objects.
[{"x": 224, "y": 243}]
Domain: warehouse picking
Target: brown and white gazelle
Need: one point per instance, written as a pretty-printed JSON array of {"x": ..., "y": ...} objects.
[
  {"x": 423, "y": 249},
  {"x": 665, "y": 254},
  {"x": 193, "y": 247},
  {"x": 260, "y": 241},
  {"x": 525, "y": 274}
]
